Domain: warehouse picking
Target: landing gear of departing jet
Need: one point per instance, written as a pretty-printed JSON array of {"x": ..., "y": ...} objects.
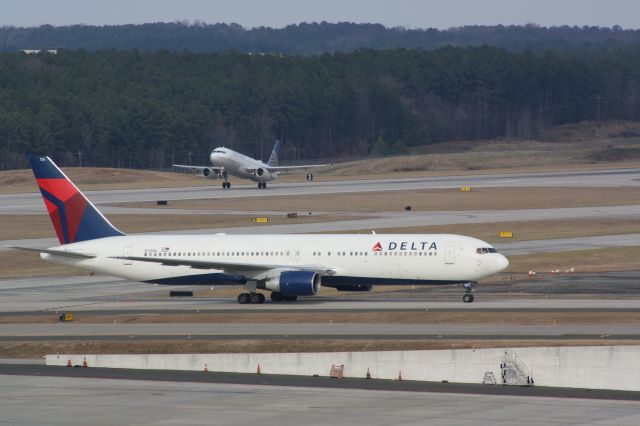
[
  {"x": 468, "y": 296},
  {"x": 262, "y": 185},
  {"x": 253, "y": 298},
  {"x": 226, "y": 185}
]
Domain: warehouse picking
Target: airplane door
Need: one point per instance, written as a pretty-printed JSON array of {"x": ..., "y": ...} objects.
[
  {"x": 128, "y": 251},
  {"x": 450, "y": 255}
]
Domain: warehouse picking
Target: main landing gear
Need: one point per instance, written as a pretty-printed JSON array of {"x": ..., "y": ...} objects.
[
  {"x": 262, "y": 185},
  {"x": 226, "y": 184},
  {"x": 468, "y": 295},
  {"x": 253, "y": 298}
]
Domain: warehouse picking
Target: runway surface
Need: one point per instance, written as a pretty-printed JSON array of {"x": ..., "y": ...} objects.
[
  {"x": 433, "y": 218},
  {"x": 120, "y": 331},
  {"x": 105, "y": 294},
  {"x": 31, "y": 203},
  {"x": 83, "y": 396}
]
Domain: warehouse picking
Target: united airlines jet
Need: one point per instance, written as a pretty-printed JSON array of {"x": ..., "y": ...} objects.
[
  {"x": 288, "y": 266},
  {"x": 229, "y": 162}
]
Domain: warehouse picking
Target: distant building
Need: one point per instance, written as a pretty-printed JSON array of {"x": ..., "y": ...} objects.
[{"x": 36, "y": 51}]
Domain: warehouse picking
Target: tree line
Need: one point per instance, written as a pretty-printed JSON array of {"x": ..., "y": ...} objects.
[
  {"x": 149, "y": 109},
  {"x": 306, "y": 38}
]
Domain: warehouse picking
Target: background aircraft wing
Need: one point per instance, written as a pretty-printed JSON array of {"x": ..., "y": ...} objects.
[
  {"x": 207, "y": 171},
  {"x": 239, "y": 268},
  {"x": 295, "y": 169}
]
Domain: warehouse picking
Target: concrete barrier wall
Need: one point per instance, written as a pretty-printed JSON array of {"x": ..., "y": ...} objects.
[{"x": 594, "y": 367}]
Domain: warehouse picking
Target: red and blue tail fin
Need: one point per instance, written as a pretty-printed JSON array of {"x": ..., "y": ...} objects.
[{"x": 74, "y": 217}]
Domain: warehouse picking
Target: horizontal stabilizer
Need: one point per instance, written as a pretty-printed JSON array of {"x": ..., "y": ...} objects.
[{"x": 64, "y": 253}]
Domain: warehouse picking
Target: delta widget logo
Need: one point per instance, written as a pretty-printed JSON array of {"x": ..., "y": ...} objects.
[{"x": 377, "y": 247}]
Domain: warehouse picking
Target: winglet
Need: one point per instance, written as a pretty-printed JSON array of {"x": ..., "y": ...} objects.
[{"x": 73, "y": 216}]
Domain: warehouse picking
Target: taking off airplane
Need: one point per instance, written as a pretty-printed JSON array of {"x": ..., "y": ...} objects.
[{"x": 229, "y": 162}]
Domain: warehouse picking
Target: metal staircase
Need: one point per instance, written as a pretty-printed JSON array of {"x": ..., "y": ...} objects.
[{"x": 514, "y": 371}]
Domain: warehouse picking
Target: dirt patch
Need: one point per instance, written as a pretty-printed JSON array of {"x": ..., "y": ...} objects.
[
  {"x": 31, "y": 349},
  {"x": 39, "y": 226},
  {"x": 427, "y": 200},
  {"x": 93, "y": 178},
  {"x": 528, "y": 230},
  {"x": 608, "y": 259}
]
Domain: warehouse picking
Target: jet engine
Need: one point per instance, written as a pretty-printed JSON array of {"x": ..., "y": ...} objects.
[
  {"x": 210, "y": 173},
  {"x": 259, "y": 172},
  {"x": 294, "y": 283}
]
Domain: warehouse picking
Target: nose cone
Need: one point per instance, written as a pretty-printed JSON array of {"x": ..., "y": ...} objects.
[{"x": 502, "y": 263}]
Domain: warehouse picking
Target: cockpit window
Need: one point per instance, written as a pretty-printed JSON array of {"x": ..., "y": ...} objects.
[
  {"x": 485, "y": 250},
  {"x": 219, "y": 151}
]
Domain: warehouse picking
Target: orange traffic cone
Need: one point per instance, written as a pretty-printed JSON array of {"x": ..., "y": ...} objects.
[
  {"x": 206, "y": 369},
  {"x": 84, "y": 362},
  {"x": 368, "y": 374},
  {"x": 69, "y": 363},
  {"x": 258, "y": 370},
  {"x": 400, "y": 376}
]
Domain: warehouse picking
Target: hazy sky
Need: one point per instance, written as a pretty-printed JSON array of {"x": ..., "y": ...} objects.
[{"x": 278, "y": 13}]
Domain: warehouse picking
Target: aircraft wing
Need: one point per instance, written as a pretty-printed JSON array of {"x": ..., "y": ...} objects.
[
  {"x": 198, "y": 169},
  {"x": 230, "y": 267},
  {"x": 290, "y": 169},
  {"x": 65, "y": 253}
]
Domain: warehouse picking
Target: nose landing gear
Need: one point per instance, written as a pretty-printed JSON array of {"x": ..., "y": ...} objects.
[{"x": 468, "y": 295}]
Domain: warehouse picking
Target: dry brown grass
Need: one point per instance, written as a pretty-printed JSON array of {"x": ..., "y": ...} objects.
[
  {"x": 366, "y": 317},
  {"x": 528, "y": 230},
  {"x": 426, "y": 200},
  {"x": 39, "y": 226},
  {"x": 600, "y": 260},
  {"x": 91, "y": 178},
  {"x": 37, "y": 349}
]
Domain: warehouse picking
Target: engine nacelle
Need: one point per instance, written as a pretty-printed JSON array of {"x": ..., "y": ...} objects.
[
  {"x": 210, "y": 173},
  {"x": 259, "y": 172},
  {"x": 354, "y": 287},
  {"x": 294, "y": 283}
]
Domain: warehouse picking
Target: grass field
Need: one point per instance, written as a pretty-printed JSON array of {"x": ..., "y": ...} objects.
[{"x": 508, "y": 198}]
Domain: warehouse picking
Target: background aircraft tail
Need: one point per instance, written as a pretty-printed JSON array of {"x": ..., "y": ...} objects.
[
  {"x": 73, "y": 216},
  {"x": 273, "y": 159}
]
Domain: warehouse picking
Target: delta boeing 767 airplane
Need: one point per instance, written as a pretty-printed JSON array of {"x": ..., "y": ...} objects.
[
  {"x": 227, "y": 162},
  {"x": 288, "y": 266}
]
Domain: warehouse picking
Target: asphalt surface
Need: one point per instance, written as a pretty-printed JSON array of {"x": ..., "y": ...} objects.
[
  {"x": 303, "y": 381},
  {"x": 30, "y": 203},
  {"x": 91, "y": 396}
]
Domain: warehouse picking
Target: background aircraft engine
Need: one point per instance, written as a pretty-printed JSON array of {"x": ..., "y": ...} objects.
[
  {"x": 259, "y": 172},
  {"x": 295, "y": 283},
  {"x": 210, "y": 173}
]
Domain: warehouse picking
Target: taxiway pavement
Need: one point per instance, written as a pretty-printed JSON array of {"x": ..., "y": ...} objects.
[
  {"x": 31, "y": 202},
  {"x": 83, "y": 396}
]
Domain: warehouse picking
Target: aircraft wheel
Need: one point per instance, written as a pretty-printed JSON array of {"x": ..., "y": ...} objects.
[
  {"x": 290, "y": 298},
  {"x": 467, "y": 298},
  {"x": 276, "y": 296},
  {"x": 255, "y": 298},
  {"x": 243, "y": 298}
]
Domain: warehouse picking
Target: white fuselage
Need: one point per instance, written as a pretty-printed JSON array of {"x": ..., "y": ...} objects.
[
  {"x": 240, "y": 165},
  {"x": 357, "y": 259}
]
